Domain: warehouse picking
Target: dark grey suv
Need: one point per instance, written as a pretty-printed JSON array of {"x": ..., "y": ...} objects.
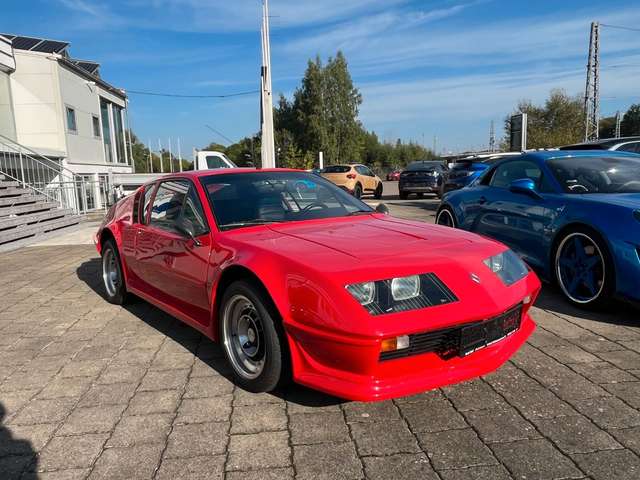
[{"x": 421, "y": 177}]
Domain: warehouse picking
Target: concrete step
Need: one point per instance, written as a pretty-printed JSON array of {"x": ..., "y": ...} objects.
[
  {"x": 31, "y": 218},
  {"x": 14, "y": 192},
  {"x": 26, "y": 231},
  {"x": 22, "y": 209},
  {"x": 8, "y": 184},
  {"x": 21, "y": 200}
]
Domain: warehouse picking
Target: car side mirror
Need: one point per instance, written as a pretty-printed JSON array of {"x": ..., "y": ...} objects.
[
  {"x": 382, "y": 208},
  {"x": 185, "y": 227},
  {"x": 524, "y": 186}
]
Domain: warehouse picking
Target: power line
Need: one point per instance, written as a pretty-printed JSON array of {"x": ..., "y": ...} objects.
[
  {"x": 620, "y": 27},
  {"x": 221, "y": 134},
  {"x": 176, "y": 95}
]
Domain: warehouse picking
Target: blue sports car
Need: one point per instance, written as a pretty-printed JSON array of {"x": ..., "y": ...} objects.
[{"x": 574, "y": 216}]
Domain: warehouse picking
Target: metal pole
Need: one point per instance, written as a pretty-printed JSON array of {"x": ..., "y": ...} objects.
[
  {"x": 170, "y": 156},
  {"x": 150, "y": 157},
  {"x": 161, "y": 162},
  {"x": 180, "y": 154}
]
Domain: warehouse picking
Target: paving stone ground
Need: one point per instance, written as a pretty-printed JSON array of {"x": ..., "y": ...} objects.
[{"x": 91, "y": 390}]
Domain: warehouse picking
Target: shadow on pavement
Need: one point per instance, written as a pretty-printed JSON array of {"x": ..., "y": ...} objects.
[
  {"x": 615, "y": 313},
  {"x": 202, "y": 347},
  {"x": 15, "y": 455}
]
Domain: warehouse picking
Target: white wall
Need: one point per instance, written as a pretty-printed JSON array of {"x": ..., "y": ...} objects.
[
  {"x": 79, "y": 94},
  {"x": 7, "y": 124},
  {"x": 36, "y": 100}
]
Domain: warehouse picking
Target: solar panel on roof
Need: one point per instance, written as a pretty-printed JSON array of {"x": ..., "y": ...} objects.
[
  {"x": 6, "y": 35},
  {"x": 25, "y": 43},
  {"x": 50, "y": 46},
  {"x": 90, "y": 67}
]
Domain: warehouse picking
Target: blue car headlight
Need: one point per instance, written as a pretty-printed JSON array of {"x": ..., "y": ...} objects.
[
  {"x": 401, "y": 293},
  {"x": 508, "y": 266}
]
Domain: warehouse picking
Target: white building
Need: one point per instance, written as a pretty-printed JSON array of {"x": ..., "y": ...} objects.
[{"x": 60, "y": 108}]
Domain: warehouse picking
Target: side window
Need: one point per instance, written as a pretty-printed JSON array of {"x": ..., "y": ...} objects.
[
  {"x": 360, "y": 170},
  {"x": 193, "y": 212},
  {"x": 148, "y": 193},
  {"x": 136, "y": 208},
  {"x": 215, "y": 162},
  {"x": 630, "y": 147},
  {"x": 167, "y": 204},
  {"x": 485, "y": 178},
  {"x": 508, "y": 172}
]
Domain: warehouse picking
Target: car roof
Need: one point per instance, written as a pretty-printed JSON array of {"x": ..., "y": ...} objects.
[
  {"x": 545, "y": 155},
  {"x": 602, "y": 144}
]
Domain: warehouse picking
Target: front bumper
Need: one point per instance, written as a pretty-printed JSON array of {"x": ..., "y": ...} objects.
[
  {"x": 412, "y": 188},
  {"x": 350, "y": 368}
]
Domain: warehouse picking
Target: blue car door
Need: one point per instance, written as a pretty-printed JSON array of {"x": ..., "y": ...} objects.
[{"x": 520, "y": 220}]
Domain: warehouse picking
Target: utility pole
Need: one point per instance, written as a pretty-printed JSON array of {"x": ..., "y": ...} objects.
[
  {"x": 435, "y": 145},
  {"x": 180, "y": 154},
  {"x": 150, "y": 156},
  {"x": 266, "y": 94},
  {"x": 592, "y": 90},
  {"x": 170, "y": 157},
  {"x": 492, "y": 137},
  {"x": 161, "y": 162},
  {"x": 618, "y": 124}
]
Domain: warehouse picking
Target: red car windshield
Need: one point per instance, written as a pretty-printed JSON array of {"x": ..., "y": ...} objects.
[{"x": 257, "y": 198}]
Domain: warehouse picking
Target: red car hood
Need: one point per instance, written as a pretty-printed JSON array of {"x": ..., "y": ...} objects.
[{"x": 370, "y": 237}]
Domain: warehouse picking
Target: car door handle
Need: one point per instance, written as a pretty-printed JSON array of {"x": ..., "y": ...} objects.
[{"x": 482, "y": 200}]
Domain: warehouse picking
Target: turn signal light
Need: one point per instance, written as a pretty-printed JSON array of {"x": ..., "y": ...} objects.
[{"x": 395, "y": 343}]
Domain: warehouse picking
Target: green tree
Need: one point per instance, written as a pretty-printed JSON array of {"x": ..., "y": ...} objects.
[
  {"x": 607, "y": 127},
  {"x": 630, "y": 125},
  {"x": 560, "y": 121}
]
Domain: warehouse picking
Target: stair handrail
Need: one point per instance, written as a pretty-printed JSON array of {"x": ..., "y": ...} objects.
[{"x": 67, "y": 196}]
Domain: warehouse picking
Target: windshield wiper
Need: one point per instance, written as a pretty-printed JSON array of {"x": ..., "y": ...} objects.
[
  {"x": 248, "y": 223},
  {"x": 360, "y": 212}
]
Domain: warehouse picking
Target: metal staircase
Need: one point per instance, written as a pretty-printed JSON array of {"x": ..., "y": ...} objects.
[{"x": 37, "y": 196}]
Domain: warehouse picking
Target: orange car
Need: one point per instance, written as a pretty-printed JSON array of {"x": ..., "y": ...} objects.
[{"x": 355, "y": 179}]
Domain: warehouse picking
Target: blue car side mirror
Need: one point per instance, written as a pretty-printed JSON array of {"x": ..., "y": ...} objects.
[{"x": 525, "y": 186}]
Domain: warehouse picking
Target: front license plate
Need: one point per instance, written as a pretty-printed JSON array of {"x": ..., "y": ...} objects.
[{"x": 481, "y": 335}]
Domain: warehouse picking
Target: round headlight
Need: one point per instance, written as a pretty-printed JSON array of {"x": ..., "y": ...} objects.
[
  {"x": 405, "y": 288},
  {"x": 363, "y": 292}
]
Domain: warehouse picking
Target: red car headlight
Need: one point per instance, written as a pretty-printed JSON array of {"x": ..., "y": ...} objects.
[{"x": 401, "y": 294}]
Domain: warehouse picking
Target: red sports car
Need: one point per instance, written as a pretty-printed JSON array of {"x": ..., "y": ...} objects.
[
  {"x": 393, "y": 176},
  {"x": 299, "y": 280}
]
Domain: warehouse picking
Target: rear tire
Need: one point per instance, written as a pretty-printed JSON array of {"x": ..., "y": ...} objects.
[
  {"x": 252, "y": 338},
  {"x": 403, "y": 195},
  {"x": 583, "y": 268},
  {"x": 446, "y": 217},
  {"x": 378, "y": 193},
  {"x": 112, "y": 276}
]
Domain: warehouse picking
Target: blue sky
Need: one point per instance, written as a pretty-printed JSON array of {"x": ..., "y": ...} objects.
[{"x": 442, "y": 68}]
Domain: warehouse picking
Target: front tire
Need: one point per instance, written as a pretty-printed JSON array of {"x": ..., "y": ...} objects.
[
  {"x": 446, "y": 218},
  {"x": 252, "y": 337},
  {"x": 112, "y": 276},
  {"x": 378, "y": 193},
  {"x": 583, "y": 268}
]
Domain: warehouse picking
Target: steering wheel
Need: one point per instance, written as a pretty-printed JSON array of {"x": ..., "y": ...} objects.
[
  {"x": 578, "y": 188},
  {"x": 632, "y": 183},
  {"x": 313, "y": 205}
]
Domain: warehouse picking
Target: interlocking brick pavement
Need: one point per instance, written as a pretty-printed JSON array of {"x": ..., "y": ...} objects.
[{"x": 91, "y": 390}]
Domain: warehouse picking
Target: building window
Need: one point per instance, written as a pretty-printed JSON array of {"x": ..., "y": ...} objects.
[
  {"x": 71, "y": 120},
  {"x": 106, "y": 130},
  {"x": 96, "y": 126}
]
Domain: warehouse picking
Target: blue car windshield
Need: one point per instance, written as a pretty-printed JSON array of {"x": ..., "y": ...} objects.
[
  {"x": 258, "y": 198},
  {"x": 597, "y": 174}
]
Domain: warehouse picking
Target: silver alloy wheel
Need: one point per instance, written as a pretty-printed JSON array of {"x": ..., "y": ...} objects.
[
  {"x": 592, "y": 250},
  {"x": 445, "y": 218},
  {"x": 243, "y": 337},
  {"x": 110, "y": 272}
]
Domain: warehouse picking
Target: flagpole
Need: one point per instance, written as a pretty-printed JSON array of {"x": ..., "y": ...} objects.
[{"x": 268, "y": 147}]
